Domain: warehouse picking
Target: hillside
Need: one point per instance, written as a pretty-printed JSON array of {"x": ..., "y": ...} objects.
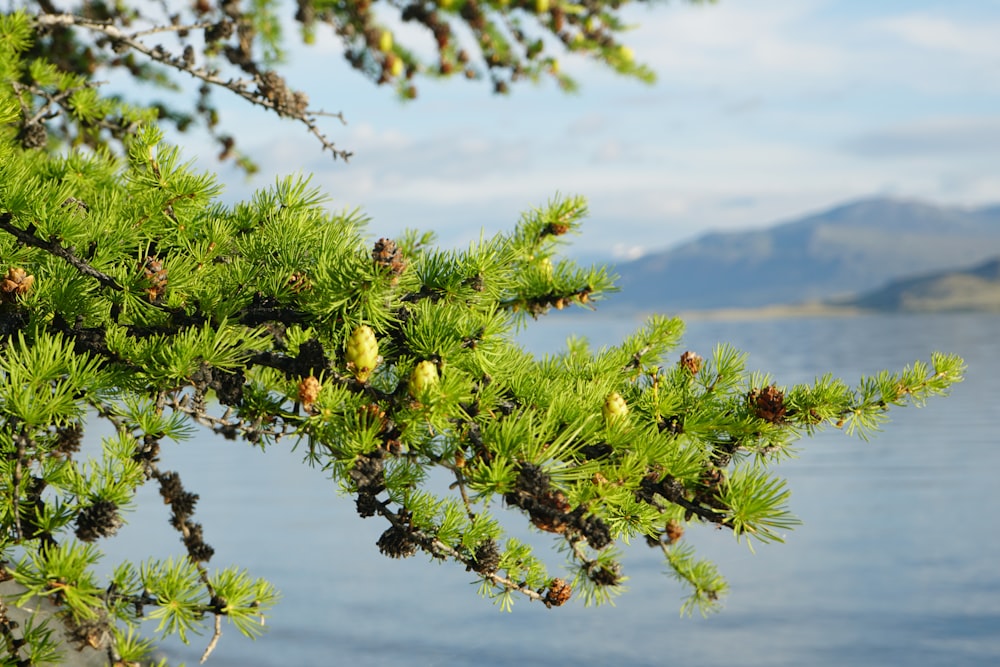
[
  {"x": 975, "y": 289},
  {"x": 847, "y": 250}
]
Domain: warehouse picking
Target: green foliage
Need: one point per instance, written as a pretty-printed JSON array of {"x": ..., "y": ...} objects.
[
  {"x": 131, "y": 296},
  {"x": 707, "y": 585},
  {"x": 44, "y": 648}
]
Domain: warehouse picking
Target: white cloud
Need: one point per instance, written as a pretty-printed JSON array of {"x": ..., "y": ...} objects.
[
  {"x": 609, "y": 151},
  {"x": 939, "y": 33},
  {"x": 627, "y": 252},
  {"x": 366, "y": 136},
  {"x": 732, "y": 41}
]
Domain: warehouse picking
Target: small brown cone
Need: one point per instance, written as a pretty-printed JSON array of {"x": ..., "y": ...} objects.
[
  {"x": 309, "y": 389},
  {"x": 16, "y": 283},
  {"x": 768, "y": 404},
  {"x": 691, "y": 362},
  {"x": 558, "y": 593}
]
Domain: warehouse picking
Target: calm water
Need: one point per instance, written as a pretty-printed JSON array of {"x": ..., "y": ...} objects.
[{"x": 895, "y": 563}]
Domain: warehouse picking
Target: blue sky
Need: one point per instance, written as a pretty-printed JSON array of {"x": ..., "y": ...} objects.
[{"x": 762, "y": 111}]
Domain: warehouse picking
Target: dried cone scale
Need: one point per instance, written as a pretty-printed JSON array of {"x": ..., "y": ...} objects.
[
  {"x": 691, "y": 362},
  {"x": 156, "y": 278},
  {"x": 768, "y": 404},
  {"x": 388, "y": 256},
  {"x": 309, "y": 389},
  {"x": 15, "y": 283},
  {"x": 558, "y": 593},
  {"x": 362, "y": 352}
]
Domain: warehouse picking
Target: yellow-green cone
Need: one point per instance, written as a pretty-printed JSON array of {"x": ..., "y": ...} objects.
[
  {"x": 615, "y": 407},
  {"x": 423, "y": 377},
  {"x": 546, "y": 268},
  {"x": 362, "y": 352},
  {"x": 385, "y": 41}
]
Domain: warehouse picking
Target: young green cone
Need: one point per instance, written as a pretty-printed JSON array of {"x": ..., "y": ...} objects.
[
  {"x": 362, "y": 352},
  {"x": 614, "y": 408},
  {"x": 423, "y": 377}
]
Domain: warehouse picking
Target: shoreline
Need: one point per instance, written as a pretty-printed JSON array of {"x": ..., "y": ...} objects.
[
  {"x": 785, "y": 311},
  {"x": 777, "y": 311}
]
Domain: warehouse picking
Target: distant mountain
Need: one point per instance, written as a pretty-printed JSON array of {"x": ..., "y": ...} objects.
[
  {"x": 975, "y": 289},
  {"x": 847, "y": 250}
]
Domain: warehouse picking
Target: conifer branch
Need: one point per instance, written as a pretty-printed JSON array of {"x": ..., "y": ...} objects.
[
  {"x": 673, "y": 491},
  {"x": 182, "y": 504},
  {"x": 59, "y": 98},
  {"x": 440, "y": 550},
  {"x": 230, "y": 428},
  {"x": 55, "y": 248},
  {"x": 271, "y": 90}
]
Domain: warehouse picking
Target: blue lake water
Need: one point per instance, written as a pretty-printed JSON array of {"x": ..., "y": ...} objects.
[{"x": 895, "y": 563}]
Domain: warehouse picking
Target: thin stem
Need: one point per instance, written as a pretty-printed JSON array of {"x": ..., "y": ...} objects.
[
  {"x": 170, "y": 28},
  {"x": 240, "y": 87},
  {"x": 460, "y": 484},
  {"x": 21, "y": 440},
  {"x": 215, "y": 639}
]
